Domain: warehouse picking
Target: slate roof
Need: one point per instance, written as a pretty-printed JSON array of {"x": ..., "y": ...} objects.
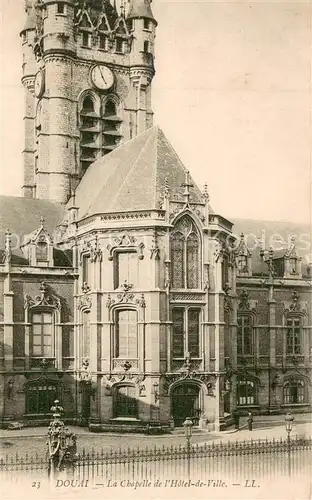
[
  {"x": 22, "y": 216},
  {"x": 276, "y": 234},
  {"x": 132, "y": 177},
  {"x": 140, "y": 8}
]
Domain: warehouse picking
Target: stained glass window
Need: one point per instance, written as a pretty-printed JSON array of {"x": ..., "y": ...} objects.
[
  {"x": 185, "y": 254},
  {"x": 177, "y": 259},
  {"x": 293, "y": 340},
  {"x": 192, "y": 253},
  {"x": 178, "y": 332},
  {"x": 193, "y": 332}
]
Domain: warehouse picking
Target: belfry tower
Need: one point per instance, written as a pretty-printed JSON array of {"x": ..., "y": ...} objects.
[{"x": 87, "y": 72}]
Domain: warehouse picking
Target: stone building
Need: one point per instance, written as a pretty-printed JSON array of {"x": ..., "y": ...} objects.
[{"x": 124, "y": 294}]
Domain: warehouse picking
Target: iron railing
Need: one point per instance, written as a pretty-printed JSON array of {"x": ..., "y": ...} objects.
[{"x": 232, "y": 460}]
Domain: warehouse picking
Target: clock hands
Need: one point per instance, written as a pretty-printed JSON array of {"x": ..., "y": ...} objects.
[{"x": 102, "y": 75}]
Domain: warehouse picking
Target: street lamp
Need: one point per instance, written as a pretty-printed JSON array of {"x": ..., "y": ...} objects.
[
  {"x": 288, "y": 424},
  {"x": 188, "y": 425}
]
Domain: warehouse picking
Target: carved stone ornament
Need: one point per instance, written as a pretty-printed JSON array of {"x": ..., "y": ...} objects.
[
  {"x": 112, "y": 379},
  {"x": 154, "y": 249},
  {"x": 45, "y": 298},
  {"x": 245, "y": 303},
  {"x": 92, "y": 248},
  {"x": 125, "y": 295},
  {"x": 84, "y": 302},
  {"x": 295, "y": 306},
  {"x": 228, "y": 306},
  {"x": 204, "y": 378},
  {"x": 125, "y": 241}
]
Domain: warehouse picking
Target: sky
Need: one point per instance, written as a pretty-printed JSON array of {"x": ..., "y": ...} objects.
[{"x": 232, "y": 93}]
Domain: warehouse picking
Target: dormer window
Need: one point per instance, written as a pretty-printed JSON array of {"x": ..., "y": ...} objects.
[
  {"x": 38, "y": 248},
  {"x": 119, "y": 45},
  {"x": 242, "y": 263},
  {"x": 86, "y": 38},
  {"x": 42, "y": 251},
  {"x": 146, "y": 24},
  {"x": 60, "y": 8},
  {"x": 103, "y": 42},
  {"x": 293, "y": 266},
  {"x": 243, "y": 257}
]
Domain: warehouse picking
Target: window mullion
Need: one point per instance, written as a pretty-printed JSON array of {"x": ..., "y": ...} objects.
[
  {"x": 185, "y": 270},
  {"x": 185, "y": 328}
]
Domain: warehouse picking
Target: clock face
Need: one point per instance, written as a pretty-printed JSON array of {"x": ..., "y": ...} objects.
[
  {"x": 39, "y": 84},
  {"x": 102, "y": 77}
]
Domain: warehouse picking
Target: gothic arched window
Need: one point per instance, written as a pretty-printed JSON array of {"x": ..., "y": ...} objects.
[
  {"x": 89, "y": 133},
  {"x": 246, "y": 392},
  {"x": 111, "y": 126},
  {"x": 294, "y": 391},
  {"x": 185, "y": 255}
]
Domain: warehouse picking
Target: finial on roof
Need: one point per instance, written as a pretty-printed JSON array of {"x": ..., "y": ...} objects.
[
  {"x": 7, "y": 246},
  {"x": 242, "y": 236},
  {"x": 122, "y": 8},
  {"x": 187, "y": 184},
  {"x": 42, "y": 221},
  {"x": 206, "y": 193},
  {"x": 166, "y": 187}
]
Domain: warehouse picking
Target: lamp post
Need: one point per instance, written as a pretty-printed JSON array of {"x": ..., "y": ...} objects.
[
  {"x": 288, "y": 424},
  {"x": 188, "y": 425}
]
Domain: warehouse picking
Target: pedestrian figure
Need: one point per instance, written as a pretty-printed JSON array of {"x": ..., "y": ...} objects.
[
  {"x": 250, "y": 420},
  {"x": 236, "y": 419}
]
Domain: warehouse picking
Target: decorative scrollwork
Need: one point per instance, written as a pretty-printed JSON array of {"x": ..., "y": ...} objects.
[{"x": 45, "y": 298}]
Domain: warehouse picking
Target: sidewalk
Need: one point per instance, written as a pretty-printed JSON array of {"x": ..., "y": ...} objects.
[
  {"x": 264, "y": 426},
  {"x": 276, "y": 432}
]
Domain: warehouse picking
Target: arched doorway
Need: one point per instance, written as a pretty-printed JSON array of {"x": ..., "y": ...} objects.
[{"x": 186, "y": 402}]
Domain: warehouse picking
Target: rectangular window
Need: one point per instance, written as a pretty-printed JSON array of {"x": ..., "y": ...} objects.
[
  {"x": 86, "y": 39},
  {"x": 86, "y": 334},
  {"x": 85, "y": 268},
  {"x": 103, "y": 42},
  {"x": 193, "y": 332},
  {"x": 146, "y": 46},
  {"x": 293, "y": 338},
  {"x": 225, "y": 271},
  {"x": 126, "y": 341},
  {"x": 242, "y": 264},
  {"x": 40, "y": 398},
  {"x": 119, "y": 45},
  {"x": 185, "y": 332},
  {"x": 146, "y": 24},
  {"x": 246, "y": 392},
  {"x": 126, "y": 269},
  {"x": 61, "y": 8},
  {"x": 42, "y": 251},
  {"x": 42, "y": 335},
  {"x": 244, "y": 335},
  {"x": 178, "y": 333}
]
